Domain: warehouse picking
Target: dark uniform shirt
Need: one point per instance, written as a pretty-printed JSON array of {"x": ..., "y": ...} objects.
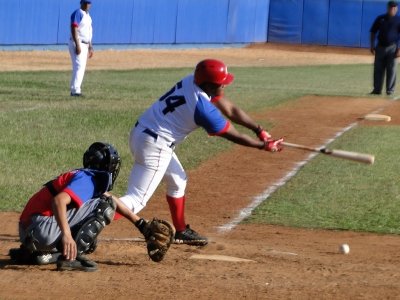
[{"x": 389, "y": 29}]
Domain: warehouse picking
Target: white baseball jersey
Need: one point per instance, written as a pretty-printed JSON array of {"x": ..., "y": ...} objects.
[
  {"x": 165, "y": 124},
  {"x": 83, "y": 21},
  {"x": 181, "y": 110}
]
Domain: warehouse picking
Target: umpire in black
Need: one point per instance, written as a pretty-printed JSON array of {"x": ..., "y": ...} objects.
[{"x": 387, "y": 28}]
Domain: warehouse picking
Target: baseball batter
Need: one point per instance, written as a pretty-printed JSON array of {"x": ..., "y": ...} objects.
[
  {"x": 62, "y": 220},
  {"x": 195, "y": 101},
  {"x": 80, "y": 45}
]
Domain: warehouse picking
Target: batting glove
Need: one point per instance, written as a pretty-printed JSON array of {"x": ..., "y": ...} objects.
[
  {"x": 272, "y": 145},
  {"x": 262, "y": 134}
]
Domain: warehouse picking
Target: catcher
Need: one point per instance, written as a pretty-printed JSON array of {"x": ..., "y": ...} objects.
[{"x": 62, "y": 221}]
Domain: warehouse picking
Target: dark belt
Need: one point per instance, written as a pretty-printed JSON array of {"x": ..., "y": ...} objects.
[
  {"x": 387, "y": 45},
  {"x": 83, "y": 42},
  {"x": 148, "y": 131},
  {"x": 152, "y": 134}
]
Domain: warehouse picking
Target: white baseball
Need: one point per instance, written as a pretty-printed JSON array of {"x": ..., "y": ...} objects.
[{"x": 345, "y": 249}]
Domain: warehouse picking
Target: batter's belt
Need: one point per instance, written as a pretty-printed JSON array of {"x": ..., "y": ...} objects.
[{"x": 152, "y": 134}]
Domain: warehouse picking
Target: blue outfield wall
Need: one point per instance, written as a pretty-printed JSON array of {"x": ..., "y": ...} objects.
[
  {"x": 10, "y": 24},
  {"x": 315, "y": 22},
  {"x": 285, "y": 21},
  {"x": 142, "y": 25},
  {"x": 202, "y": 21},
  {"x": 323, "y": 22},
  {"x": 135, "y": 22},
  {"x": 344, "y": 27},
  {"x": 32, "y": 17},
  {"x": 247, "y": 21},
  {"x": 114, "y": 25},
  {"x": 261, "y": 25},
  {"x": 165, "y": 21}
]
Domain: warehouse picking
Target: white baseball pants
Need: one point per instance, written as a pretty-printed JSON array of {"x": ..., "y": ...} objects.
[
  {"x": 155, "y": 161},
  {"x": 78, "y": 65}
]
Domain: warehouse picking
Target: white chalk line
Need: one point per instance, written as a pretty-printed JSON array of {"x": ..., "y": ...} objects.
[
  {"x": 244, "y": 213},
  {"x": 257, "y": 200},
  {"x": 122, "y": 240},
  {"x": 27, "y": 109}
]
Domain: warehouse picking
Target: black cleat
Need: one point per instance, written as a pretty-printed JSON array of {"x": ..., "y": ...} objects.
[
  {"x": 24, "y": 256},
  {"x": 374, "y": 93},
  {"x": 81, "y": 263},
  {"x": 190, "y": 237}
]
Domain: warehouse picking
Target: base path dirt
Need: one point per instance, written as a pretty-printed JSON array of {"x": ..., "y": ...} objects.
[
  {"x": 280, "y": 262},
  {"x": 262, "y": 55}
]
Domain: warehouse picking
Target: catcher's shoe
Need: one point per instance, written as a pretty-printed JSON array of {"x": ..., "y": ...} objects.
[
  {"x": 190, "y": 237},
  {"x": 44, "y": 258},
  {"x": 20, "y": 254},
  {"x": 24, "y": 256},
  {"x": 81, "y": 263}
]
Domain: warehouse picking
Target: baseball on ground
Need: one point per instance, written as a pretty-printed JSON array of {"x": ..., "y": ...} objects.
[{"x": 345, "y": 249}]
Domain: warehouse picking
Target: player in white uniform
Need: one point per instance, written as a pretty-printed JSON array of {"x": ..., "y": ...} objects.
[
  {"x": 190, "y": 104},
  {"x": 80, "y": 45}
]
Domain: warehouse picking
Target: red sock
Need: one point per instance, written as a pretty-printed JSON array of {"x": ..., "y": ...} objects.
[{"x": 177, "y": 209}]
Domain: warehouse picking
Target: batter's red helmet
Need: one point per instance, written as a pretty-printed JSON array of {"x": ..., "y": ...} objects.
[{"x": 212, "y": 70}]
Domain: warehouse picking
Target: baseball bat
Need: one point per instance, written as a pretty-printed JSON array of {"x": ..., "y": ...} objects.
[{"x": 354, "y": 156}]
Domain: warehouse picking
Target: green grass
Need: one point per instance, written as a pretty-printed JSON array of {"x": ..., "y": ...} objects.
[
  {"x": 44, "y": 132},
  {"x": 340, "y": 194}
]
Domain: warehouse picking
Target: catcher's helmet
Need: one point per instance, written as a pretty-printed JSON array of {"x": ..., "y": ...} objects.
[
  {"x": 212, "y": 70},
  {"x": 103, "y": 157}
]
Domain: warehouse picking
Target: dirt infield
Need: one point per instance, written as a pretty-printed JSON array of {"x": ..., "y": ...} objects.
[
  {"x": 253, "y": 55},
  {"x": 285, "y": 263}
]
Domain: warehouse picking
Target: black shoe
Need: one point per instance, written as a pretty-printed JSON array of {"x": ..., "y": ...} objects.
[
  {"x": 389, "y": 93},
  {"x": 190, "y": 237},
  {"x": 24, "y": 256},
  {"x": 374, "y": 93},
  {"x": 81, "y": 263},
  {"x": 76, "y": 95},
  {"x": 21, "y": 254}
]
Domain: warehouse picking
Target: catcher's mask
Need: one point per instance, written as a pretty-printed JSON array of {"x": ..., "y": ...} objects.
[
  {"x": 103, "y": 157},
  {"x": 212, "y": 70}
]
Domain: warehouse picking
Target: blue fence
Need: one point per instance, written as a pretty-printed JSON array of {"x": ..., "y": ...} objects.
[{"x": 319, "y": 22}]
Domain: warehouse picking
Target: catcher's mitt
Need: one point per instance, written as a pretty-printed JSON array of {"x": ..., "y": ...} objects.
[{"x": 159, "y": 235}]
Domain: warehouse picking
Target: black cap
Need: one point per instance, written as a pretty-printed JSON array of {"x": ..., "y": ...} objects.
[{"x": 392, "y": 4}]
